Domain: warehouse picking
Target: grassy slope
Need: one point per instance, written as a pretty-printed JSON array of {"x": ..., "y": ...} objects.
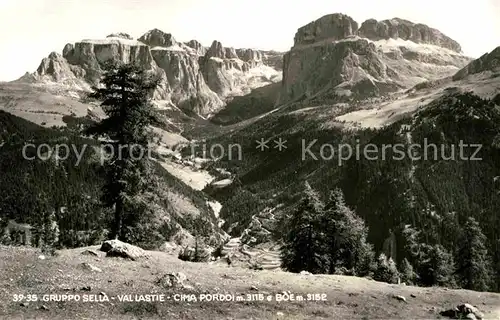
[
  {"x": 257, "y": 102},
  {"x": 347, "y": 297}
]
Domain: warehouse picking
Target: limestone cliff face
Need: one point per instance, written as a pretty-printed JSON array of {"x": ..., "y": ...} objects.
[
  {"x": 344, "y": 64},
  {"x": 194, "y": 78},
  {"x": 198, "y": 47},
  {"x": 91, "y": 55},
  {"x": 333, "y": 27},
  {"x": 403, "y": 29},
  {"x": 333, "y": 58}
]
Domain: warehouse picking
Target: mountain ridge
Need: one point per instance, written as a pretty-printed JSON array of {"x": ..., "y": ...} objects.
[{"x": 193, "y": 77}]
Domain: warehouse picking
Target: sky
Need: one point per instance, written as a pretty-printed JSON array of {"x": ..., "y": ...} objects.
[{"x": 31, "y": 29}]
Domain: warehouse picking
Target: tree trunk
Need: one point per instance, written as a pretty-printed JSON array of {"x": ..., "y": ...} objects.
[{"x": 117, "y": 226}]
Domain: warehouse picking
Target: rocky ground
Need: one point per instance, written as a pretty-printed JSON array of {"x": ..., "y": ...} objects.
[{"x": 89, "y": 274}]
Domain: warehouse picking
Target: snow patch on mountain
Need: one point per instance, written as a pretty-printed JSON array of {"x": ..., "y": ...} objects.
[
  {"x": 388, "y": 45},
  {"x": 196, "y": 179},
  {"x": 114, "y": 40},
  {"x": 255, "y": 77}
]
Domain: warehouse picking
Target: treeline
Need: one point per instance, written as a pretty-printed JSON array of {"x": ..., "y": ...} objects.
[{"x": 330, "y": 238}]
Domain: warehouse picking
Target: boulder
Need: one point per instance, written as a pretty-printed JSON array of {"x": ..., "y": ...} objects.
[
  {"x": 117, "y": 248},
  {"x": 173, "y": 280},
  {"x": 463, "y": 311},
  {"x": 89, "y": 267}
]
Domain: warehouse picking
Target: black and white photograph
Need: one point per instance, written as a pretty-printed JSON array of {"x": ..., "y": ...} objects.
[{"x": 249, "y": 160}]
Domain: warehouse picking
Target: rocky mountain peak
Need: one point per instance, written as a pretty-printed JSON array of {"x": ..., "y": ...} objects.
[
  {"x": 333, "y": 57},
  {"x": 397, "y": 28},
  {"x": 190, "y": 80},
  {"x": 216, "y": 50},
  {"x": 197, "y": 46},
  {"x": 487, "y": 62},
  {"x": 158, "y": 38},
  {"x": 335, "y": 26},
  {"x": 339, "y": 26},
  {"x": 121, "y": 35},
  {"x": 68, "y": 48},
  {"x": 249, "y": 55}
]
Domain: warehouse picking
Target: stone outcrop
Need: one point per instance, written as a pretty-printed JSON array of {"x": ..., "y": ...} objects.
[
  {"x": 347, "y": 65},
  {"x": 487, "y": 62},
  {"x": 198, "y": 47},
  {"x": 333, "y": 27},
  {"x": 158, "y": 38},
  {"x": 333, "y": 59},
  {"x": 57, "y": 66},
  {"x": 406, "y": 30},
  {"x": 120, "y": 35},
  {"x": 194, "y": 78}
]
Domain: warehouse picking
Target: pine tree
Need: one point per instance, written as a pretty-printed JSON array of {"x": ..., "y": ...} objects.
[
  {"x": 51, "y": 229},
  {"x": 302, "y": 248},
  {"x": 386, "y": 270},
  {"x": 345, "y": 238},
  {"x": 407, "y": 273},
  {"x": 433, "y": 264},
  {"x": 125, "y": 98},
  {"x": 474, "y": 264},
  {"x": 436, "y": 266},
  {"x": 45, "y": 224},
  {"x": 412, "y": 243},
  {"x": 200, "y": 252}
]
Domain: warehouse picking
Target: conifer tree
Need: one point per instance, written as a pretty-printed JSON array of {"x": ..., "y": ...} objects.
[
  {"x": 433, "y": 264},
  {"x": 125, "y": 94},
  {"x": 474, "y": 264},
  {"x": 386, "y": 270},
  {"x": 345, "y": 238},
  {"x": 302, "y": 248},
  {"x": 437, "y": 266},
  {"x": 407, "y": 272}
]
